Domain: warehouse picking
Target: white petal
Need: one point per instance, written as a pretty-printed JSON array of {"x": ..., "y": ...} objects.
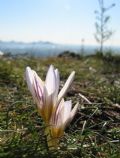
[
  {"x": 60, "y": 107},
  {"x": 38, "y": 88},
  {"x": 47, "y": 98},
  {"x": 57, "y": 80},
  {"x": 67, "y": 110},
  {"x": 50, "y": 81},
  {"x": 41, "y": 83},
  {"x": 66, "y": 86},
  {"x": 35, "y": 85},
  {"x": 29, "y": 79},
  {"x": 72, "y": 114},
  {"x": 74, "y": 110},
  {"x": 58, "y": 115}
]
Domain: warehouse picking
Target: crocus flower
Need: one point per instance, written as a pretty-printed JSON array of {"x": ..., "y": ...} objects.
[
  {"x": 62, "y": 116},
  {"x": 45, "y": 93},
  {"x": 56, "y": 112}
]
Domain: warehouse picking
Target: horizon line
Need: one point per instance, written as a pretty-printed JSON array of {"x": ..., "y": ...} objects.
[{"x": 60, "y": 43}]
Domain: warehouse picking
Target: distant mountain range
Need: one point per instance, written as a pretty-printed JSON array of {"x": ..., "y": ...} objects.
[
  {"x": 34, "y": 48},
  {"x": 41, "y": 48}
]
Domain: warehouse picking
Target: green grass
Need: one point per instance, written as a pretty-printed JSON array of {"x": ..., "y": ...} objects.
[{"x": 95, "y": 130}]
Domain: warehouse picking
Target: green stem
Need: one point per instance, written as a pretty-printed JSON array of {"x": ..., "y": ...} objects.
[{"x": 53, "y": 143}]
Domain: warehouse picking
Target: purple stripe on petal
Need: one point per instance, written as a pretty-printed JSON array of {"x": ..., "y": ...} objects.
[{"x": 38, "y": 90}]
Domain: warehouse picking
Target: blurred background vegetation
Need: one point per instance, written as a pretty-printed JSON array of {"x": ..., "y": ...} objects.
[{"x": 95, "y": 130}]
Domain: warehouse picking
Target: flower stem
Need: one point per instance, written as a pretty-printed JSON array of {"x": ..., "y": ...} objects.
[{"x": 53, "y": 143}]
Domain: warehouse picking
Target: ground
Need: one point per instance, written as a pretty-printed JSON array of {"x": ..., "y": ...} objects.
[{"x": 95, "y": 130}]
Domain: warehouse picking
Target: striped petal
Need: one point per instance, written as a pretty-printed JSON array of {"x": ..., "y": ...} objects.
[{"x": 38, "y": 89}]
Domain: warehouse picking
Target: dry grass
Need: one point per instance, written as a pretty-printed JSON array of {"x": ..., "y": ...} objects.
[{"x": 94, "y": 132}]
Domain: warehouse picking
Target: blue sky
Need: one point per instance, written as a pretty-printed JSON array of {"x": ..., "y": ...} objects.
[{"x": 59, "y": 21}]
